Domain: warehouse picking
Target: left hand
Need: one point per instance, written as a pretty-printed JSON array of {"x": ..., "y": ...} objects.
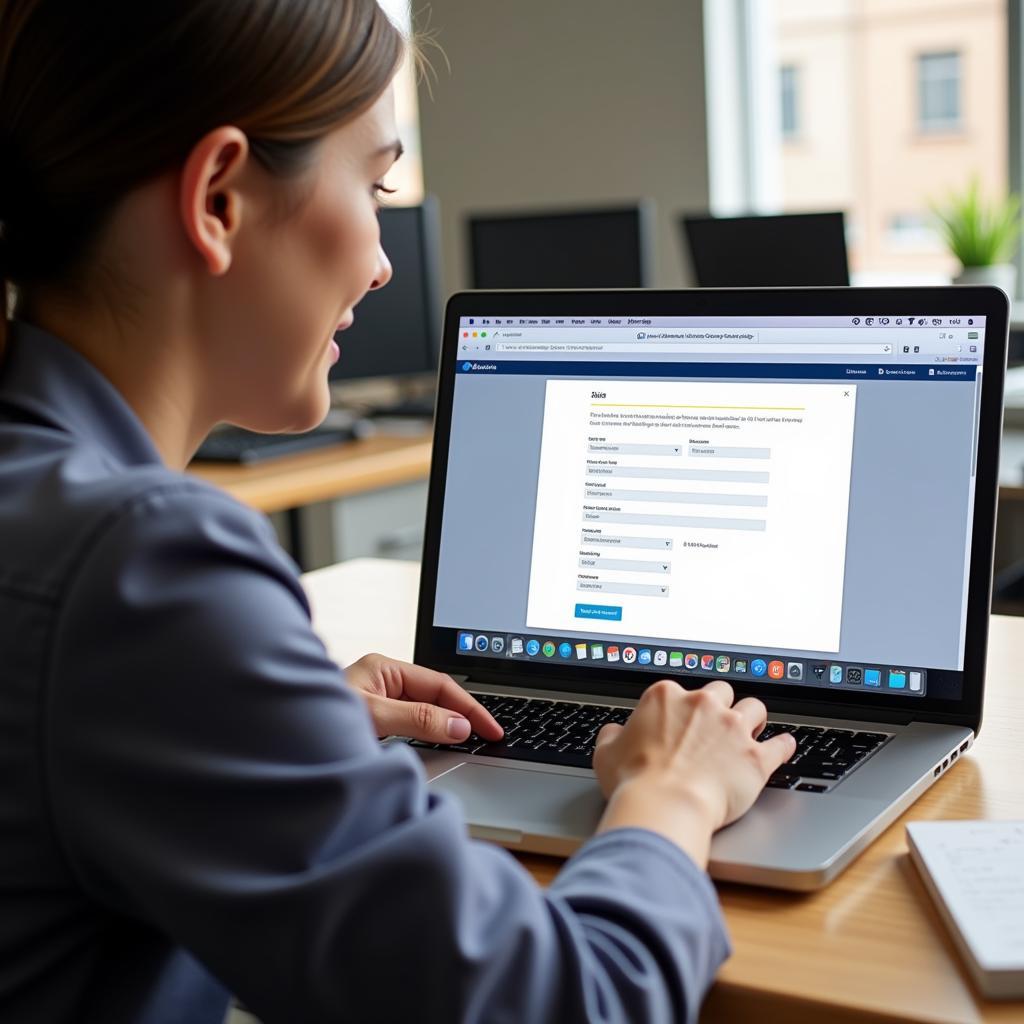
[{"x": 409, "y": 700}]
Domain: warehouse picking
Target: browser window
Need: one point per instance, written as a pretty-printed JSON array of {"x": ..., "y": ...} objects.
[{"x": 784, "y": 499}]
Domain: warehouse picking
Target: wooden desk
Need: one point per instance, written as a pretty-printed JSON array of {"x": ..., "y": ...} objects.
[
  {"x": 870, "y": 947},
  {"x": 323, "y": 474}
]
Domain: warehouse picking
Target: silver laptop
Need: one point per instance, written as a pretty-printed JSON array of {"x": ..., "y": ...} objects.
[{"x": 790, "y": 489}]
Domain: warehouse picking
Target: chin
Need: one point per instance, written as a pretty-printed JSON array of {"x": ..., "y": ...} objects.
[{"x": 301, "y": 416}]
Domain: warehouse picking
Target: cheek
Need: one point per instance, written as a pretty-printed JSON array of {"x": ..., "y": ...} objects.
[{"x": 345, "y": 253}]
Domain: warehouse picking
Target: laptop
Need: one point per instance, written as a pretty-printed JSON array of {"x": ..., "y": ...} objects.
[{"x": 790, "y": 489}]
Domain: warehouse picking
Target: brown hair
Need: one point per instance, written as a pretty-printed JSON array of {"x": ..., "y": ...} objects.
[{"x": 98, "y": 97}]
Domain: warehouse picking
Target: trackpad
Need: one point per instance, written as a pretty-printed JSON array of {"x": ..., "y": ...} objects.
[{"x": 511, "y": 800}]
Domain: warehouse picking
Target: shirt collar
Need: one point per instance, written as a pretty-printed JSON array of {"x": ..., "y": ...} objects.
[{"x": 46, "y": 378}]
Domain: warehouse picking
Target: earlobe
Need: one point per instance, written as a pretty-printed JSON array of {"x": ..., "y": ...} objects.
[{"x": 211, "y": 204}]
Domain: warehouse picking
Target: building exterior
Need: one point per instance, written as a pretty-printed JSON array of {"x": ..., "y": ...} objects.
[{"x": 886, "y": 106}]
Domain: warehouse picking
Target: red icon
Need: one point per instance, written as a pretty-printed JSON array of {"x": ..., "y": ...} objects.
[{"x": 776, "y": 669}]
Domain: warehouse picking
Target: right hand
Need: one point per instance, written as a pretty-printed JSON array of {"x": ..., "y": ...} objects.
[{"x": 686, "y": 763}]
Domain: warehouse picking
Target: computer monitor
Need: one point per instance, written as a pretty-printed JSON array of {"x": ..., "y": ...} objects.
[
  {"x": 605, "y": 247},
  {"x": 793, "y": 250},
  {"x": 397, "y": 330}
]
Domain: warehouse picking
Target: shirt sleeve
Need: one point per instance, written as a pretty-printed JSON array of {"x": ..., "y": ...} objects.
[{"x": 211, "y": 773}]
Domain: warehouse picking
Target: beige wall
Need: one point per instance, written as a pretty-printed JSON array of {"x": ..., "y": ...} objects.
[
  {"x": 858, "y": 60},
  {"x": 565, "y": 102}
]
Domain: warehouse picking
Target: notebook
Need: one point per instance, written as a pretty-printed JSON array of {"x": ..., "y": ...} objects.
[{"x": 974, "y": 871}]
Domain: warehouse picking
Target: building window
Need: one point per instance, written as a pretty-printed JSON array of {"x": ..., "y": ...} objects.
[
  {"x": 788, "y": 85},
  {"x": 938, "y": 92},
  {"x": 912, "y": 231}
]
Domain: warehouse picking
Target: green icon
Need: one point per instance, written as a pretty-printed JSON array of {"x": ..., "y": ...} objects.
[
  {"x": 972, "y": 335},
  {"x": 675, "y": 659},
  {"x": 549, "y": 649},
  {"x": 483, "y": 334}
]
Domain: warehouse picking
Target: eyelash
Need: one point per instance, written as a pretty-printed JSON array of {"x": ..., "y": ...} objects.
[{"x": 379, "y": 191}]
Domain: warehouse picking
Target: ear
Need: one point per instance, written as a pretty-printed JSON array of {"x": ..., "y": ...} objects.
[{"x": 210, "y": 199}]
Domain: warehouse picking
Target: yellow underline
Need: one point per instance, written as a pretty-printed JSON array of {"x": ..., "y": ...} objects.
[{"x": 657, "y": 405}]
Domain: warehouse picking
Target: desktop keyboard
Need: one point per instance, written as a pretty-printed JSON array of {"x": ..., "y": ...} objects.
[
  {"x": 563, "y": 732},
  {"x": 233, "y": 444}
]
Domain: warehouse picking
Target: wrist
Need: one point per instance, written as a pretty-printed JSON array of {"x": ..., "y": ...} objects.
[{"x": 662, "y": 805}]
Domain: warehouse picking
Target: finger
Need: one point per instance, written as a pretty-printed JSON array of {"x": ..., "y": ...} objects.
[
  {"x": 606, "y": 734},
  {"x": 430, "y": 687},
  {"x": 775, "y": 752},
  {"x": 720, "y": 690},
  {"x": 753, "y": 712},
  {"x": 418, "y": 720}
]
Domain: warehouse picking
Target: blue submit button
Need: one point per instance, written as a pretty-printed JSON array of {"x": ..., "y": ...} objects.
[{"x": 607, "y": 612}]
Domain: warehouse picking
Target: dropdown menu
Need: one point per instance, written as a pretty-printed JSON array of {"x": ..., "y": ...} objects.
[{"x": 625, "y": 564}]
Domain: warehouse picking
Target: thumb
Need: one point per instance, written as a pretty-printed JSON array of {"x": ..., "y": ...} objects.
[{"x": 420, "y": 721}]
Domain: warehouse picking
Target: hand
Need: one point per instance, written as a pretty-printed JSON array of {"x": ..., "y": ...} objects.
[
  {"x": 409, "y": 700},
  {"x": 687, "y": 763}
]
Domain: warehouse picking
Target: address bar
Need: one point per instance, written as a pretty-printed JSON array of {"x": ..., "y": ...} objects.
[{"x": 837, "y": 349}]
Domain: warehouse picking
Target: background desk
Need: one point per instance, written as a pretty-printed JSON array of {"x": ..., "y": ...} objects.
[{"x": 869, "y": 947}]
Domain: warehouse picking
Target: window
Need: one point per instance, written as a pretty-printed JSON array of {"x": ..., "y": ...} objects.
[
  {"x": 911, "y": 230},
  {"x": 938, "y": 92},
  {"x": 406, "y": 177},
  {"x": 788, "y": 85},
  {"x": 883, "y": 132}
]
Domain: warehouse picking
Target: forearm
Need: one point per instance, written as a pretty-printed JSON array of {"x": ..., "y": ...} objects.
[
  {"x": 652, "y": 928},
  {"x": 679, "y": 817}
]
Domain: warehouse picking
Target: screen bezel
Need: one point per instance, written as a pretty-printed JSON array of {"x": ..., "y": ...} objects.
[
  {"x": 435, "y": 645},
  {"x": 641, "y": 213}
]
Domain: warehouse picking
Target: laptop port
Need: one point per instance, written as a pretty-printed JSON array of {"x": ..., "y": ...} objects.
[
  {"x": 963, "y": 746},
  {"x": 938, "y": 768},
  {"x": 952, "y": 757},
  {"x": 945, "y": 764}
]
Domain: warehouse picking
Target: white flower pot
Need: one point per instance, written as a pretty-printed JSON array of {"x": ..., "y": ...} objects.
[{"x": 1002, "y": 275}]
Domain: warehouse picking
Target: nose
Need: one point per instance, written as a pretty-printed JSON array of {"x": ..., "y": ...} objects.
[{"x": 384, "y": 271}]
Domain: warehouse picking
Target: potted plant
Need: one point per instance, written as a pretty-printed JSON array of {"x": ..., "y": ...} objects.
[{"x": 981, "y": 235}]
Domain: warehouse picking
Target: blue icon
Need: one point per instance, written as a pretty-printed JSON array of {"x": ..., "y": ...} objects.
[
  {"x": 483, "y": 642},
  {"x": 471, "y": 320},
  {"x": 835, "y": 673},
  {"x": 465, "y": 641},
  {"x": 564, "y": 650},
  {"x": 467, "y": 367},
  {"x": 644, "y": 657},
  {"x": 758, "y": 667},
  {"x": 497, "y": 644},
  {"x": 872, "y": 677},
  {"x": 897, "y": 680},
  {"x": 532, "y": 647}
]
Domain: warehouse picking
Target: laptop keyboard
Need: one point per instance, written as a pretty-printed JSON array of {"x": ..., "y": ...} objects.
[{"x": 564, "y": 733}]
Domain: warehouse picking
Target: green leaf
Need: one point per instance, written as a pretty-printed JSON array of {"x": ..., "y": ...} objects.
[{"x": 978, "y": 233}]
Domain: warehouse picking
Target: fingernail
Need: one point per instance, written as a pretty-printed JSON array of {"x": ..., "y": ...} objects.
[{"x": 458, "y": 728}]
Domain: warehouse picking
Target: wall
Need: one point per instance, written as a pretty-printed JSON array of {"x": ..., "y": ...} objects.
[{"x": 565, "y": 102}]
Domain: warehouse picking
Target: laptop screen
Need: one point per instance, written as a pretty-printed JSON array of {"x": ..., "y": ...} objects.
[{"x": 775, "y": 499}]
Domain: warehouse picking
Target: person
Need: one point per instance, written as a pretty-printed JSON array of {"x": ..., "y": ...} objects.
[{"x": 194, "y": 802}]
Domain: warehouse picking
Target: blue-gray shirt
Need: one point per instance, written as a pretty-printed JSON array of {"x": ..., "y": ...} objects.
[{"x": 192, "y": 801}]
